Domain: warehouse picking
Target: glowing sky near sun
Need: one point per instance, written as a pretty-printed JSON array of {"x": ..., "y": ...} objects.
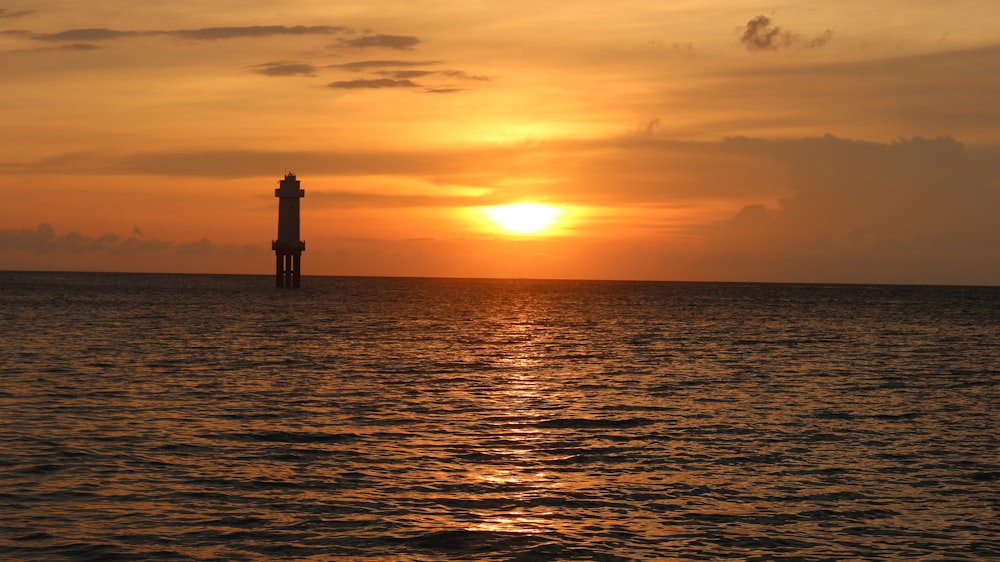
[
  {"x": 524, "y": 218},
  {"x": 710, "y": 140}
]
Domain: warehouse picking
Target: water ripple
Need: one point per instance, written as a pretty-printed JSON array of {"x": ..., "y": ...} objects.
[{"x": 212, "y": 418}]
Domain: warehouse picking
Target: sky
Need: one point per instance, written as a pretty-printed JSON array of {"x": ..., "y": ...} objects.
[{"x": 710, "y": 140}]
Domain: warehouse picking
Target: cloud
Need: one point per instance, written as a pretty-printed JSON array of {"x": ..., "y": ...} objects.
[
  {"x": 460, "y": 74},
  {"x": 400, "y": 42},
  {"x": 916, "y": 209},
  {"x": 284, "y": 69},
  {"x": 404, "y": 74},
  {"x": 90, "y": 34},
  {"x": 216, "y": 33},
  {"x": 5, "y": 13},
  {"x": 916, "y": 200},
  {"x": 760, "y": 35},
  {"x": 356, "y": 199},
  {"x": 908, "y": 186},
  {"x": 253, "y": 163},
  {"x": 810, "y": 208},
  {"x": 395, "y": 78},
  {"x": 819, "y": 41},
  {"x": 78, "y": 47},
  {"x": 65, "y": 47},
  {"x": 751, "y": 216},
  {"x": 360, "y": 66},
  {"x": 400, "y": 76},
  {"x": 376, "y": 83},
  {"x": 912, "y": 210},
  {"x": 951, "y": 92},
  {"x": 198, "y": 34},
  {"x": 45, "y": 240}
]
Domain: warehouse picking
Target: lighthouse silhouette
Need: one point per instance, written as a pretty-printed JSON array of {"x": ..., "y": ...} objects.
[{"x": 288, "y": 248}]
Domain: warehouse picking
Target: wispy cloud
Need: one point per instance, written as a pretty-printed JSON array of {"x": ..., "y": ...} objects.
[
  {"x": 88, "y": 34},
  {"x": 255, "y": 163},
  {"x": 5, "y": 13},
  {"x": 357, "y": 199},
  {"x": 399, "y": 42},
  {"x": 375, "y": 83},
  {"x": 199, "y": 34},
  {"x": 360, "y": 66},
  {"x": 45, "y": 239},
  {"x": 761, "y": 35},
  {"x": 60, "y": 47},
  {"x": 458, "y": 74},
  {"x": 404, "y": 74},
  {"x": 646, "y": 167},
  {"x": 819, "y": 40},
  {"x": 77, "y": 47},
  {"x": 215, "y": 33},
  {"x": 285, "y": 69},
  {"x": 397, "y": 78},
  {"x": 399, "y": 74},
  {"x": 462, "y": 75}
]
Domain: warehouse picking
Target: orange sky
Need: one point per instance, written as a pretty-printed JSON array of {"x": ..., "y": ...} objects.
[{"x": 854, "y": 141}]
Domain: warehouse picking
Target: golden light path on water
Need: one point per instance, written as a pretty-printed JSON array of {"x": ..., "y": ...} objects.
[
  {"x": 518, "y": 399},
  {"x": 522, "y": 472}
]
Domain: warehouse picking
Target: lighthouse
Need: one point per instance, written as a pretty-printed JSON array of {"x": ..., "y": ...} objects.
[{"x": 288, "y": 248}]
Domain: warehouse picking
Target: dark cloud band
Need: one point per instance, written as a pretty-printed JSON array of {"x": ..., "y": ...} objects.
[
  {"x": 400, "y": 42},
  {"x": 201, "y": 34},
  {"x": 372, "y": 83}
]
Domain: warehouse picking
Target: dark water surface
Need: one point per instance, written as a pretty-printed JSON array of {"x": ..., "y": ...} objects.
[{"x": 159, "y": 417}]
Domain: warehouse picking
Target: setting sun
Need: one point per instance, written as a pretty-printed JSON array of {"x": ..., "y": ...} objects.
[{"x": 524, "y": 218}]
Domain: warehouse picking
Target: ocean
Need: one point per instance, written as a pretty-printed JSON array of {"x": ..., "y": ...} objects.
[{"x": 199, "y": 417}]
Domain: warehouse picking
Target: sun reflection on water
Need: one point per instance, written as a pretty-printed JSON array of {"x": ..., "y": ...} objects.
[
  {"x": 519, "y": 404},
  {"x": 516, "y": 521}
]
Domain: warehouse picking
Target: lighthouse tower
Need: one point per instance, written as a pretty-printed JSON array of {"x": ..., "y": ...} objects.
[{"x": 288, "y": 248}]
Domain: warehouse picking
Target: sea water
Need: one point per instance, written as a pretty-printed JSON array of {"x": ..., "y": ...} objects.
[{"x": 185, "y": 417}]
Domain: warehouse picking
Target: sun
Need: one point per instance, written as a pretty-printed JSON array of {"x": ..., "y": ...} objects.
[{"x": 524, "y": 218}]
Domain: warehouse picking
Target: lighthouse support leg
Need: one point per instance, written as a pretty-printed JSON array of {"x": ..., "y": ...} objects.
[{"x": 286, "y": 268}]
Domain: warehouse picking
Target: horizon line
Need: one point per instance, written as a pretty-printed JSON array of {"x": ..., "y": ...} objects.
[{"x": 532, "y": 279}]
